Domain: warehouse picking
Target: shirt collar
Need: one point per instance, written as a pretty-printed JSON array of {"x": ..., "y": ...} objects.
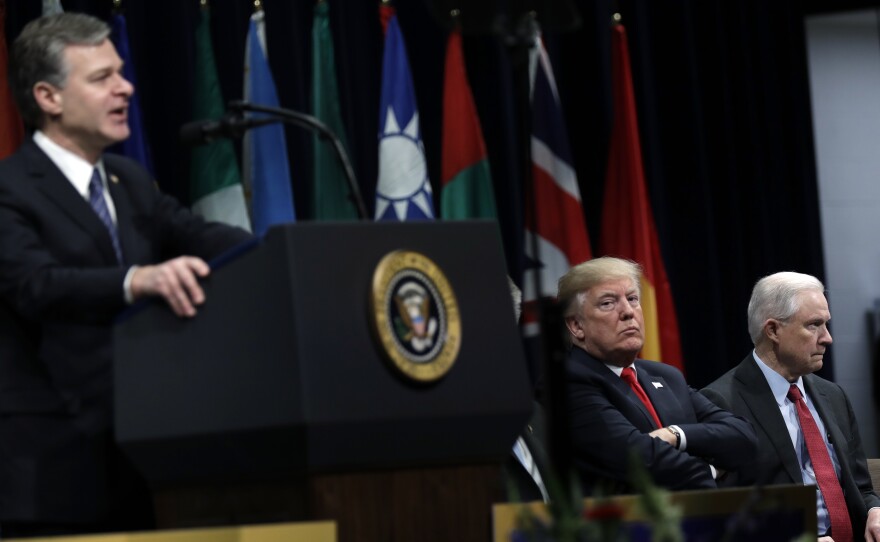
[
  {"x": 77, "y": 170},
  {"x": 778, "y": 384},
  {"x": 618, "y": 370}
]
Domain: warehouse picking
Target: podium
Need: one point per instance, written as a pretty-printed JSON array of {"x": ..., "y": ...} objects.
[{"x": 278, "y": 400}]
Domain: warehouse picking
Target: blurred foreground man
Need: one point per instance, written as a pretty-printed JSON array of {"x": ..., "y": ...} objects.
[
  {"x": 807, "y": 432},
  {"x": 621, "y": 405},
  {"x": 81, "y": 235}
]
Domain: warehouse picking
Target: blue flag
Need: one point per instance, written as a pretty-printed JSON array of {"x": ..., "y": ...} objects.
[
  {"x": 135, "y": 147},
  {"x": 403, "y": 191},
  {"x": 266, "y": 169}
]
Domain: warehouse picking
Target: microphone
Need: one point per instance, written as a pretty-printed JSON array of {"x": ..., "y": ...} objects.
[
  {"x": 230, "y": 125},
  {"x": 235, "y": 123}
]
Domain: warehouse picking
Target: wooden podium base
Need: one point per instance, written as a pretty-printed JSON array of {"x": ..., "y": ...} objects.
[{"x": 429, "y": 504}]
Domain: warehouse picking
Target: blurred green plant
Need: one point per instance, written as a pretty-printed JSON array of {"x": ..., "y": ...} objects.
[{"x": 570, "y": 521}]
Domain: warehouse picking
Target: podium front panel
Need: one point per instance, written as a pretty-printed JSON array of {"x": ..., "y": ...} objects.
[{"x": 280, "y": 373}]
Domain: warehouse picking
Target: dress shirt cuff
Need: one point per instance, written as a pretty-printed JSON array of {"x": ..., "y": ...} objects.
[
  {"x": 126, "y": 285},
  {"x": 684, "y": 442},
  {"x": 714, "y": 472}
]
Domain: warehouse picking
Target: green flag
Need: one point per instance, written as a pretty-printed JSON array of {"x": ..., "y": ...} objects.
[
  {"x": 331, "y": 192},
  {"x": 215, "y": 181}
]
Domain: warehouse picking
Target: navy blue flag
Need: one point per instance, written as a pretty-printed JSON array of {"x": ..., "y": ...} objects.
[
  {"x": 266, "y": 169},
  {"x": 136, "y": 146}
]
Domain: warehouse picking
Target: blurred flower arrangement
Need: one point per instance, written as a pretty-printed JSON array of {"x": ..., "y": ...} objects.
[
  {"x": 568, "y": 521},
  {"x": 565, "y": 519}
]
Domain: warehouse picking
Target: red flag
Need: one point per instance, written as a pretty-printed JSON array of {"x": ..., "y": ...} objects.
[
  {"x": 11, "y": 131},
  {"x": 628, "y": 229}
]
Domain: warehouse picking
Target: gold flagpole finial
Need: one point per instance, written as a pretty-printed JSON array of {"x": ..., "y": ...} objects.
[
  {"x": 203, "y": 3},
  {"x": 258, "y": 5},
  {"x": 616, "y": 18},
  {"x": 117, "y": 5}
]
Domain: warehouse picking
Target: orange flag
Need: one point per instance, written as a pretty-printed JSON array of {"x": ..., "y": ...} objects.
[
  {"x": 11, "y": 131},
  {"x": 628, "y": 229}
]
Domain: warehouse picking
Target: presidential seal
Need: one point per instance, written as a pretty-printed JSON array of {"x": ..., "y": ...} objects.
[{"x": 415, "y": 315}]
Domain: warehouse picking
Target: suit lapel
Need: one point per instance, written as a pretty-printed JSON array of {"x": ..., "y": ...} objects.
[
  {"x": 756, "y": 394},
  {"x": 128, "y": 239},
  {"x": 57, "y": 188},
  {"x": 657, "y": 390},
  {"x": 823, "y": 403},
  {"x": 634, "y": 399},
  {"x": 585, "y": 362}
]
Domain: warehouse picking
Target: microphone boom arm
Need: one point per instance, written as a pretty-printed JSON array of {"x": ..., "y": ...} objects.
[{"x": 312, "y": 124}]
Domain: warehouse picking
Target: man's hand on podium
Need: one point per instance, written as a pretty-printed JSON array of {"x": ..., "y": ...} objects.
[{"x": 175, "y": 281}]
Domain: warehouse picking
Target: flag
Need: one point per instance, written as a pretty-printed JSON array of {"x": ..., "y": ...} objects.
[
  {"x": 403, "y": 191},
  {"x": 135, "y": 147},
  {"x": 331, "y": 191},
  {"x": 467, "y": 181},
  {"x": 266, "y": 170},
  {"x": 11, "y": 130},
  {"x": 215, "y": 183},
  {"x": 52, "y": 7},
  {"x": 628, "y": 229},
  {"x": 557, "y": 222}
]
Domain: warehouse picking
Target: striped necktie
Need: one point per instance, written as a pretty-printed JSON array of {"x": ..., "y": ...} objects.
[{"x": 99, "y": 204}]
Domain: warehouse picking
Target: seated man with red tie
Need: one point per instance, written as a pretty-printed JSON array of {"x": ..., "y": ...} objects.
[
  {"x": 807, "y": 432},
  {"x": 621, "y": 405}
]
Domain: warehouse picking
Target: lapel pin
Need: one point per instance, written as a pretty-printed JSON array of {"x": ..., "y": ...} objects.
[
  {"x": 114, "y": 179},
  {"x": 657, "y": 385}
]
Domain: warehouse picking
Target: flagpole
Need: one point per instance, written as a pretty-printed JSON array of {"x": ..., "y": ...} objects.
[
  {"x": 520, "y": 40},
  {"x": 517, "y": 31}
]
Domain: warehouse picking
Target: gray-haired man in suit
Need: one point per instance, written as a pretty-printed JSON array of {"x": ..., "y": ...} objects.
[{"x": 807, "y": 431}]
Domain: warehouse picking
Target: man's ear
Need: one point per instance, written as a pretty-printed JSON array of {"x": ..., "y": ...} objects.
[
  {"x": 48, "y": 98},
  {"x": 575, "y": 328},
  {"x": 771, "y": 329}
]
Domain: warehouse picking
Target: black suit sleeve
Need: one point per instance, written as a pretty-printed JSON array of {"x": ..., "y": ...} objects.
[
  {"x": 604, "y": 441},
  {"x": 35, "y": 282},
  {"x": 725, "y": 440}
]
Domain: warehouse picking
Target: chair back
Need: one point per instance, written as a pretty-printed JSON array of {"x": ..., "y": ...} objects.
[{"x": 874, "y": 470}]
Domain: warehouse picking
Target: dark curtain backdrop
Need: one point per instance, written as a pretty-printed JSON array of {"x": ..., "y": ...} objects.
[{"x": 722, "y": 96}]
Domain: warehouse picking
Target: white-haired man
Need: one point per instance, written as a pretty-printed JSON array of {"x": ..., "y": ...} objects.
[{"x": 807, "y": 432}]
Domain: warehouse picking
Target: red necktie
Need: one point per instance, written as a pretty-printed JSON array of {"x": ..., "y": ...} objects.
[
  {"x": 829, "y": 485},
  {"x": 630, "y": 377}
]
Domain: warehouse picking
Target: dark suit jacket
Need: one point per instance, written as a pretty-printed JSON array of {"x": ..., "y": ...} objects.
[
  {"x": 60, "y": 288},
  {"x": 745, "y": 391},
  {"x": 524, "y": 488},
  {"x": 609, "y": 423}
]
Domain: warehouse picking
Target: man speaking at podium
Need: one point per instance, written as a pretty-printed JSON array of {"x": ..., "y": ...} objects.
[
  {"x": 620, "y": 405},
  {"x": 82, "y": 234}
]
